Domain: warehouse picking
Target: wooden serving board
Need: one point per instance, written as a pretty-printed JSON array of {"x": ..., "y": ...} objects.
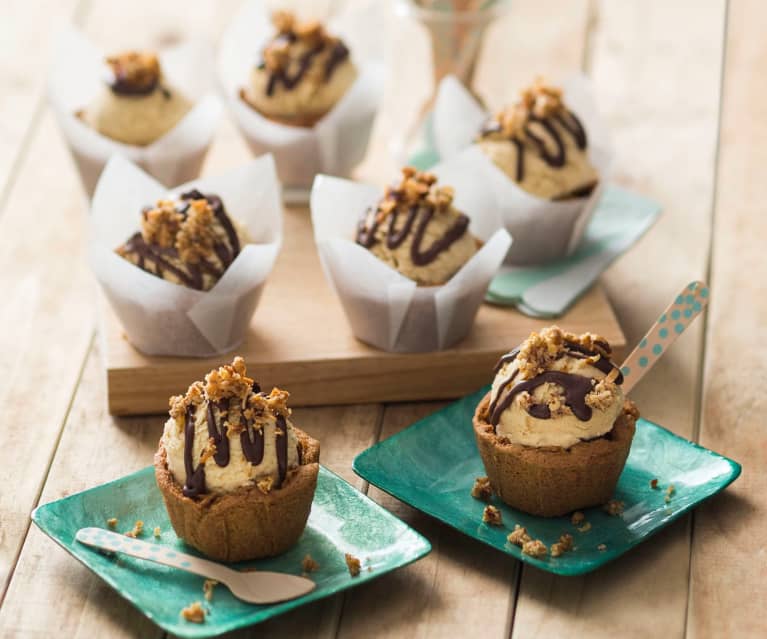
[{"x": 300, "y": 340}]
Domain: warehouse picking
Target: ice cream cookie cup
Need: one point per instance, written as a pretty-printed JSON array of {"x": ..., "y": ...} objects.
[
  {"x": 245, "y": 524},
  {"x": 554, "y": 481}
]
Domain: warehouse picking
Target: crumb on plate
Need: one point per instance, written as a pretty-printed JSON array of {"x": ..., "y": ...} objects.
[
  {"x": 535, "y": 548},
  {"x": 308, "y": 564},
  {"x": 491, "y": 515},
  {"x": 613, "y": 507},
  {"x": 353, "y": 564},
  {"x": 194, "y": 612},
  {"x": 207, "y": 588},
  {"x": 481, "y": 489}
]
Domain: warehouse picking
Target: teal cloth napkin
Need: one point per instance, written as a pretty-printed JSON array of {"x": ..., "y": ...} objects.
[{"x": 548, "y": 290}]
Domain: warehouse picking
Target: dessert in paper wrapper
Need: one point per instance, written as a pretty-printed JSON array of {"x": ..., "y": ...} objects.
[
  {"x": 163, "y": 318},
  {"x": 543, "y": 229},
  {"x": 78, "y": 75},
  {"x": 338, "y": 141},
  {"x": 384, "y": 308}
]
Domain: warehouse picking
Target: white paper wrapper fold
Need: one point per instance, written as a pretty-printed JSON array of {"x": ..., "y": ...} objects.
[
  {"x": 162, "y": 318},
  {"x": 76, "y": 77},
  {"x": 383, "y": 307},
  {"x": 337, "y": 143},
  {"x": 543, "y": 230}
]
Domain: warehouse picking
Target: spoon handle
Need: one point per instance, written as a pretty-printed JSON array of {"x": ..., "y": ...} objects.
[
  {"x": 664, "y": 332},
  {"x": 115, "y": 542}
]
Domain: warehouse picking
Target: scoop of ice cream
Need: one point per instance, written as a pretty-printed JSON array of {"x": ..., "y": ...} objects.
[
  {"x": 556, "y": 389},
  {"x": 541, "y": 145},
  {"x": 416, "y": 230},
  {"x": 303, "y": 74},
  {"x": 138, "y": 106},
  {"x": 191, "y": 241},
  {"x": 225, "y": 434}
]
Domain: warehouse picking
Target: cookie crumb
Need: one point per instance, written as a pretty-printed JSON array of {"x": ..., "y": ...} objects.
[
  {"x": 491, "y": 515},
  {"x": 137, "y": 530},
  {"x": 518, "y": 536},
  {"x": 265, "y": 484},
  {"x": 601, "y": 547},
  {"x": 564, "y": 544},
  {"x": 112, "y": 522},
  {"x": 585, "y": 528},
  {"x": 653, "y": 484},
  {"x": 669, "y": 491},
  {"x": 353, "y": 564},
  {"x": 613, "y": 507},
  {"x": 535, "y": 548},
  {"x": 157, "y": 532},
  {"x": 481, "y": 489},
  {"x": 308, "y": 564},
  {"x": 577, "y": 518},
  {"x": 194, "y": 612},
  {"x": 207, "y": 588}
]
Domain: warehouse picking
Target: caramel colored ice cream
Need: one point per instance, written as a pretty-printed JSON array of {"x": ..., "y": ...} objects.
[
  {"x": 304, "y": 72},
  {"x": 137, "y": 106},
  {"x": 541, "y": 145},
  {"x": 556, "y": 389},
  {"x": 225, "y": 434},
  {"x": 190, "y": 241},
  {"x": 416, "y": 230}
]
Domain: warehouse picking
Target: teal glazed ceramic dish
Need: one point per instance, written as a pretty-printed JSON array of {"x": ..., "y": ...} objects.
[
  {"x": 342, "y": 520},
  {"x": 432, "y": 466}
]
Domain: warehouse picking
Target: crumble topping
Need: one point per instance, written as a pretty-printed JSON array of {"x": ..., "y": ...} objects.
[
  {"x": 207, "y": 588},
  {"x": 112, "y": 522},
  {"x": 194, "y": 612},
  {"x": 138, "y": 71},
  {"x": 265, "y": 484},
  {"x": 137, "y": 530},
  {"x": 577, "y": 518},
  {"x": 539, "y": 350},
  {"x": 603, "y": 394},
  {"x": 535, "y": 548},
  {"x": 613, "y": 507},
  {"x": 353, "y": 564},
  {"x": 161, "y": 224},
  {"x": 208, "y": 451},
  {"x": 491, "y": 515},
  {"x": 481, "y": 489},
  {"x": 416, "y": 188},
  {"x": 309, "y": 565},
  {"x": 310, "y": 34},
  {"x": 518, "y": 536},
  {"x": 230, "y": 380}
]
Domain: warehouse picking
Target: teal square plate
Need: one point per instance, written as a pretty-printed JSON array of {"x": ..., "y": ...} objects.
[
  {"x": 432, "y": 466},
  {"x": 342, "y": 520}
]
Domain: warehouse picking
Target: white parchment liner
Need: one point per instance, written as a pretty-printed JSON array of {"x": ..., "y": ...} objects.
[
  {"x": 383, "y": 307},
  {"x": 543, "y": 230},
  {"x": 77, "y": 75},
  {"x": 162, "y": 318},
  {"x": 337, "y": 143}
]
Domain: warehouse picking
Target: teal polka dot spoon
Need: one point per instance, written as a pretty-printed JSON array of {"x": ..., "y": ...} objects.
[
  {"x": 669, "y": 326},
  {"x": 258, "y": 586}
]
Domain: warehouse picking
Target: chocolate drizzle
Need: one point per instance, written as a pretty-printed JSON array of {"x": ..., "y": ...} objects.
[
  {"x": 251, "y": 440},
  {"x": 191, "y": 275},
  {"x": 289, "y": 81},
  {"x": 576, "y": 387},
  {"x": 394, "y": 238},
  {"x": 557, "y": 158}
]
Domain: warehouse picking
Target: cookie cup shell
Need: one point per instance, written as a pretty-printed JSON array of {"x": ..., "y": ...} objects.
[
  {"x": 554, "y": 481},
  {"x": 245, "y": 524}
]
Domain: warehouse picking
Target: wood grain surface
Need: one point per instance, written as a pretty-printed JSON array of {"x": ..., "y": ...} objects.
[{"x": 680, "y": 83}]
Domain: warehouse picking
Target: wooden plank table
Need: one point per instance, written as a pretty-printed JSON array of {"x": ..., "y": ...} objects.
[{"x": 680, "y": 83}]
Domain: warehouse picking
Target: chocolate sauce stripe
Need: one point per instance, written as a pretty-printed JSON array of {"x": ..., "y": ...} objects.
[{"x": 289, "y": 82}]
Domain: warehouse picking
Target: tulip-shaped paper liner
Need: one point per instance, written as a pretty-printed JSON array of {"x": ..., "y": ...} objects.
[
  {"x": 338, "y": 142},
  {"x": 543, "y": 230},
  {"x": 163, "y": 318},
  {"x": 383, "y": 307},
  {"x": 78, "y": 74}
]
